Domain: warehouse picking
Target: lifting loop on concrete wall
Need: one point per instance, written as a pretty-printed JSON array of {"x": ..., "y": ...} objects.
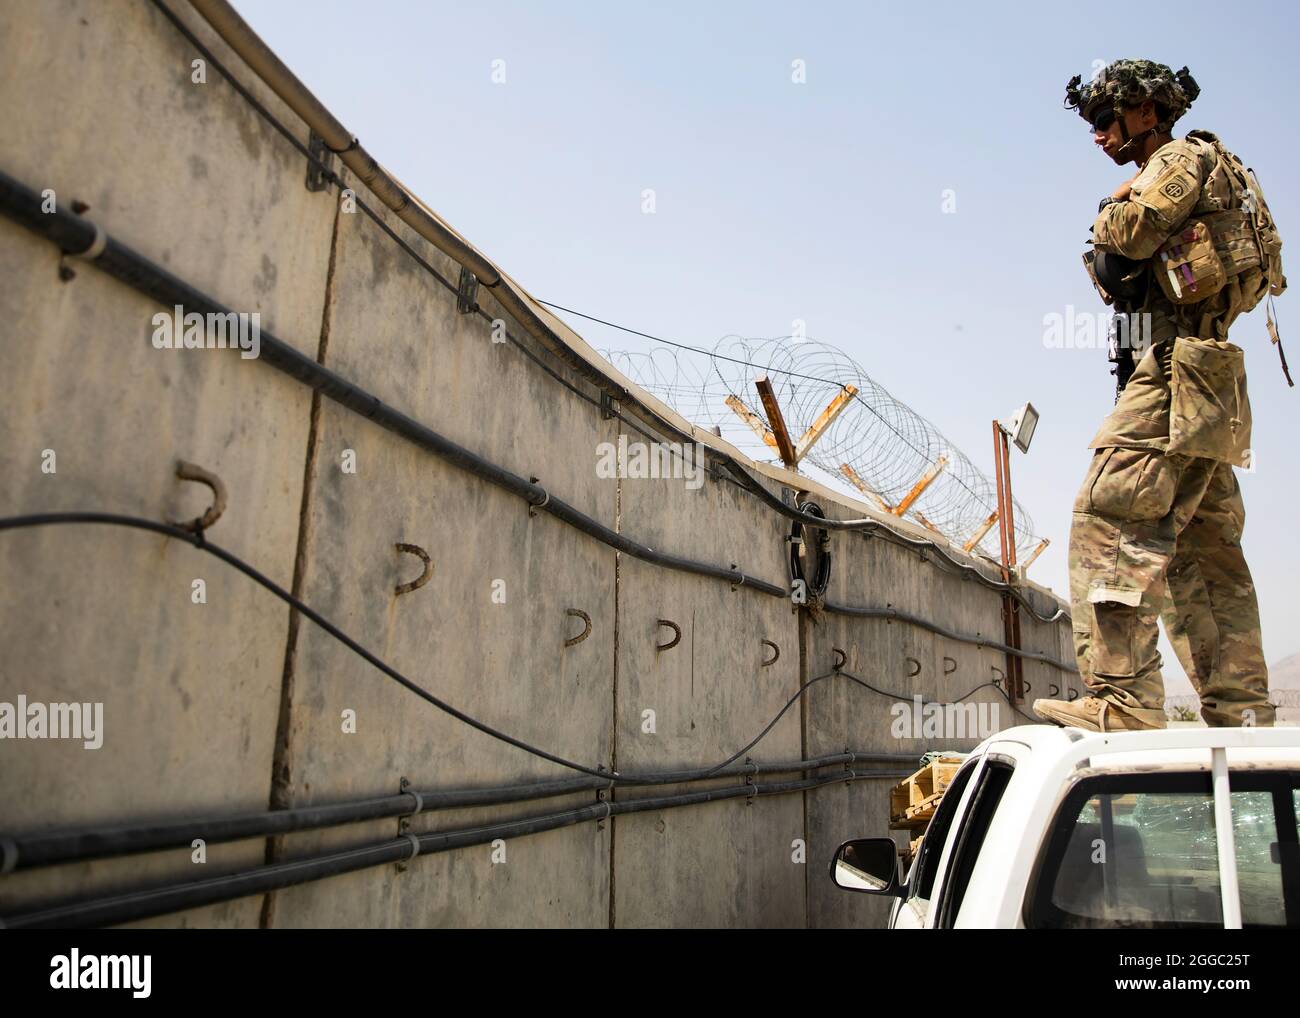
[
  {"x": 192, "y": 472},
  {"x": 841, "y": 659},
  {"x": 1074, "y": 694},
  {"x": 423, "y": 578},
  {"x": 946, "y": 662},
  {"x": 578, "y": 613},
  {"x": 916, "y": 667},
  {"x": 776, "y": 653},
  {"x": 1055, "y": 690},
  {"x": 677, "y": 635},
  {"x": 21, "y": 204},
  {"x": 339, "y": 140}
]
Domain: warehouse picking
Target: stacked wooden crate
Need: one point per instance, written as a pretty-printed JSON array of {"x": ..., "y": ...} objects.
[{"x": 913, "y": 800}]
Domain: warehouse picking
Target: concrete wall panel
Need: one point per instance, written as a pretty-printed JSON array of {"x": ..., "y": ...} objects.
[
  {"x": 195, "y": 179},
  {"x": 394, "y": 330},
  {"x": 875, "y": 572}
]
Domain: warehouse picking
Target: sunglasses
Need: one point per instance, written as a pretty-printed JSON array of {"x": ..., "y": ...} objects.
[{"x": 1103, "y": 120}]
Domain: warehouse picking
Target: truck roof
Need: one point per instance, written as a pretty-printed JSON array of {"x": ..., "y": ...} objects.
[{"x": 1183, "y": 748}]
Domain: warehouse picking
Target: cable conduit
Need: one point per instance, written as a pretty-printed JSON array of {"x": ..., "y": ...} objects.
[
  {"x": 75, "y": 235},
  {"x": 47, "y": 848},
  {"x": 170, "y": 898},
  {"x": 273, "y": 72}
]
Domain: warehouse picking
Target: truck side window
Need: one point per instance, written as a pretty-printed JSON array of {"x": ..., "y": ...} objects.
[
  {"x": 970, "y": 838},
  {"x": 1265, "y": 823},
  {"x": 936, "y": 834},
  {"x": 1140, "y": 850}
]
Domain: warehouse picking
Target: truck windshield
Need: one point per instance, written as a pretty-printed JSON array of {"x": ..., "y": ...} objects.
[{"x": 1140, "y": 850}]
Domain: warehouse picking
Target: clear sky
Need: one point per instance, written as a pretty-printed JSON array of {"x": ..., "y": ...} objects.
[{"x": 823, "y": 201}]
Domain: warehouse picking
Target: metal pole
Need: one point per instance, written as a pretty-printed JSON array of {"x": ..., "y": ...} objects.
[
  {"x": 1007, "y": 538},
  {"x": 1225, "y": 837}
]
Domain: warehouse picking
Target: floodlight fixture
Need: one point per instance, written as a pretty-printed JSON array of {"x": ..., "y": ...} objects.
[{"x": 1021, "y": 426}]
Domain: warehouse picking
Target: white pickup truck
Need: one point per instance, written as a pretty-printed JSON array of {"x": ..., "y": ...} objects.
[{"x": 1046, "y": 827}]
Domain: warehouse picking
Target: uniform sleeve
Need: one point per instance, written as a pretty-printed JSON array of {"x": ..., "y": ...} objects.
[{"x": 1135, "y": 228}]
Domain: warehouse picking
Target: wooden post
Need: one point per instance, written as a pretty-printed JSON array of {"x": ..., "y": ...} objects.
[
  {"x": 776, "y": 422},
  {"x": 772, "y": 436},
  {"x": 926, "y": 480},
  {"x": 983, "y": 529},
  {"x": 833, "y": 409},
  {"x": 752, "y": 419},
  {"x": 863, "y": 487},
  {"x": 1037, "y": 551},
  {"x": 928, "y": 525}
]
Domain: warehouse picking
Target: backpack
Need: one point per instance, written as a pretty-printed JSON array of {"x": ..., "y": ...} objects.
[{"x": 1246, "y": 234}]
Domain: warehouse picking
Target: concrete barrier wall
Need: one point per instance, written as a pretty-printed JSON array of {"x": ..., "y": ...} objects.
[{"x": 233, "y": 704}]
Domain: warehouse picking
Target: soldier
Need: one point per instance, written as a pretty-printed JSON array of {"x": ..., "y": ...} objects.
[{"x": 1188, "y": 242}]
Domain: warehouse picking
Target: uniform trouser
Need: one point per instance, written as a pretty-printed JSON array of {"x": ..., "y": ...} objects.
[
  {"x": 1211, "y": 615},
  {"x": 1157, "y": 531},
  {"x": 1147, "y": 523}
]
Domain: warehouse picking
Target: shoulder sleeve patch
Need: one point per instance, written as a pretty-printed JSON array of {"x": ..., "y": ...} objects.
[{"x": 1173, "y": 193}]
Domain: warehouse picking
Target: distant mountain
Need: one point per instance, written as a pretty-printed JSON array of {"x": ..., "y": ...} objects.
[
  {"x": 1285, "y": 674},
  {"x": 1282, "y": 674}
]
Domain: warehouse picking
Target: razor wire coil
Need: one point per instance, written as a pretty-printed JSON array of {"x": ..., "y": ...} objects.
[{"x": 886, "y": 444}]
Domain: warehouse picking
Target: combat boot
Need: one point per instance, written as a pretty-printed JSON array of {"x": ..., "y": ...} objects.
[{"x": 1092, "y": 714}]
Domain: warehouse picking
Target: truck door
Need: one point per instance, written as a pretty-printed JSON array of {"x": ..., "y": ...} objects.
[
  {"x": 926, "y": 868},
  {"x": 969, "y": 837}
]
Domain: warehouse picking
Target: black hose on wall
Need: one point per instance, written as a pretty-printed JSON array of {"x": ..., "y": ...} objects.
[
  {"x": 177, "y": 897},
  {"x": 272, "y": 71},
  {"x": 46, "y": 848},
  {"x": 77, "y": 236}
]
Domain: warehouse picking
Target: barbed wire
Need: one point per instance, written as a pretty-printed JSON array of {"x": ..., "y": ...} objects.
[{"x": 887, "y": 444}]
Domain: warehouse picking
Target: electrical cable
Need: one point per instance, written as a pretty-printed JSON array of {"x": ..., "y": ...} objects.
[
  {"x": 908, "y": 696},
  {"x": 74, "y": 235},
  {"x": 175, "y": 897},
  {"x": 198, "y": 540},
  {"x": 769, "y": 369},
  {"x": 823, "y": 577},
  {"x": 877, "y": 528},
  {"x": 106, "y": 840},
  {"x": 729, "y": 462}
]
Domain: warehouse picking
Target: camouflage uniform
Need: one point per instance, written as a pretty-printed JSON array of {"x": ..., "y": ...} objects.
[{"x": 1160, "y": 509}]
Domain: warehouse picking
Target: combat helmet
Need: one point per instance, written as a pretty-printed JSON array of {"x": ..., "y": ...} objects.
[{"x": 1126, "y": 83}]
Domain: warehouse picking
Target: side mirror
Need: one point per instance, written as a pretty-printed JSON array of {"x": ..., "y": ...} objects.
[{"x": 868, "y": 865}]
